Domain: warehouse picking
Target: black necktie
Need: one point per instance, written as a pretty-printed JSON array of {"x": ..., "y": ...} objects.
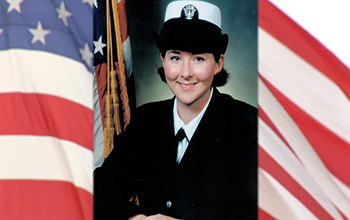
[{"x": 180, "y": 135}]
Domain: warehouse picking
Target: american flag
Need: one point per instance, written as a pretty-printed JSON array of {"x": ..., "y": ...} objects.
[
  {"x": 46, "y": 117},
  {"x": 100, "y": 63},
  {"x": 304, "y": 110}
]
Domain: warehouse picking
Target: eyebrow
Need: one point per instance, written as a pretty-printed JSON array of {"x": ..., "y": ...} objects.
[
  {"x": 178, "y": 52},
  {"x": 199, "y": 53},
  {"x": 175, "y": 51}
]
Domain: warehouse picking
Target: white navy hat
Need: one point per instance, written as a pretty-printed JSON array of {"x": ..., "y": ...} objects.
[
  {"x": 208, "y": 12},
  {"x": 192, "y": 26}
]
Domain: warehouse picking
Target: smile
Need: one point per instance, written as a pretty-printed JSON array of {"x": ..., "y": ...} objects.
[{"x": 187, "y": 86}]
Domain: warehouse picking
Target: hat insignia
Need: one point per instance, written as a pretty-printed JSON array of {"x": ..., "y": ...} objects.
[{"x": 189, "y": 11}]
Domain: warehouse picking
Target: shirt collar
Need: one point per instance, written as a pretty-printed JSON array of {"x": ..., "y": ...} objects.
[{"x": 191, "y": 127}]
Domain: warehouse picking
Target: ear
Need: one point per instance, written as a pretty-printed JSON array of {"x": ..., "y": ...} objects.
[
  {"x": 160, "y": 54},
  {"x": 219, "y": 64}
]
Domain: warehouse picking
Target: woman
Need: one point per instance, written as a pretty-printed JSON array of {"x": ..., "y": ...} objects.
[{"x": 193, "y": 156}]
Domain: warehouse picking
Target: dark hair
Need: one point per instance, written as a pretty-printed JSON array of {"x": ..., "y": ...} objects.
[{"x": 220, "y": 79}]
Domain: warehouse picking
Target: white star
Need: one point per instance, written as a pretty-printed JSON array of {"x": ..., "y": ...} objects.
[
  {"x": 63, "y": 14},
  {"x": 14, "y": 4},
  {"x": 99, "y": 46},
  {"x": 86, "y": 54},
  {"x": 95, "y": 3},
  {"x": 88, "y": 1},
  {"x": 39, "y": 34},
  {"x": 1, "y": 30}
]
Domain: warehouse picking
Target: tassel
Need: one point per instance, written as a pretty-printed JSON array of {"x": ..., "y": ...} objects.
[
  {"x": 118, "y": 127},
  {"x": 122, "y": 77},
  {"x": 116, "y": 117},
  {"x": 109, "y": 128}
]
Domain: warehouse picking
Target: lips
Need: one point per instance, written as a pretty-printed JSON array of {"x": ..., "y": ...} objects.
[{"x": 187, "y": 86}]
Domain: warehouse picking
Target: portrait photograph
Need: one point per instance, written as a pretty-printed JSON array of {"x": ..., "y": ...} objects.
[{"x": 190, "y": 148}]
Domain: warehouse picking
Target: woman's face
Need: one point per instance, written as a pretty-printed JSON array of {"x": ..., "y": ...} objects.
[{"x": 189, "y": 76}]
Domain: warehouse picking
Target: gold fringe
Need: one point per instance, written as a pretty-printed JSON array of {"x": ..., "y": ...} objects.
[
  {"x": 121, "y": 60},
  {"x": 109, "y": 128},
  {"x": 108, "y": 141},
  {"x": 114, "y": 87}
]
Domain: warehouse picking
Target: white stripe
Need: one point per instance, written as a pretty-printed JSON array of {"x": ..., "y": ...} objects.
[
  {"x": 127, "y": 54},
  {"x": 329, "y": 30},
  {"x": 304, "y": 85},
  {"x": 40, "y": 72},
  {"x": 278, "y": 150},
  {"x": 279, "y": 202},
  {"x": 302, "y": 148},
  {"x": 98, "y": 130},
  {"x": 344, "y": 188},
  {"x": 45, "y": 158}
]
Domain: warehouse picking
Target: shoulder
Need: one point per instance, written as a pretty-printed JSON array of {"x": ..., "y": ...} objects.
[
  {"x": 235, "y": 103},
  {"x": 155, "y": 106},
  {"x": 234, "y": 117},
  {"x": 236, "y": 109},
  {"x": 153, "y": 111}
]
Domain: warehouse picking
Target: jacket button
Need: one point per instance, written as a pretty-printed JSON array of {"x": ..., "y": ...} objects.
[{"x": 168, "y": 204}]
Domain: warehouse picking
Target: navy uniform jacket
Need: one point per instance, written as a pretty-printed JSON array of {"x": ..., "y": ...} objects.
[{"x": 217, "y": 176}]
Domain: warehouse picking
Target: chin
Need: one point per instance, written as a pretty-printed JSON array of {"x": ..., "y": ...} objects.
[{"x": 187, "y": 101}]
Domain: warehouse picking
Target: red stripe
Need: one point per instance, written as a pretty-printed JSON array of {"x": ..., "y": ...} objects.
[
  {"x": 267, "y": 163},
  {"x": 29, "y": 199},
  {"x": 38, "y": 114},
  {"x": 123, "y": 20},
  {"x": 269, "y": 123},
  {"x": 264, "y": 215},
  {"x": 332, "y": 150},
  {"x": 101, "y": 81},
  {"x": 302, "y": 43}
]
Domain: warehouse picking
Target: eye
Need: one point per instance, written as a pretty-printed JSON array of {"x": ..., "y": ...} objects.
[
  {"x": 199, "y": 59},
  {"x": 175, "y": 58}
]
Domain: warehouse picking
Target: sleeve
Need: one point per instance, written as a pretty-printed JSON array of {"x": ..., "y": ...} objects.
[
  {"x": 249, "y": 159},
  {"x": 114, "y": 182}
]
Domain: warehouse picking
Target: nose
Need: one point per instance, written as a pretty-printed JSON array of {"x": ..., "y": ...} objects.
[{"x": 186, "y": 70}]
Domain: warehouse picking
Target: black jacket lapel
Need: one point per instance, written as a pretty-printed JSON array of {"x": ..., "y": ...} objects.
[
  {"x": 202, "y": 142},
  {"x": 168, "y": 147}
]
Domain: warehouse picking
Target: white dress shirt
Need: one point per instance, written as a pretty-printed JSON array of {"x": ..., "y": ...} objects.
[{"x": 189, "y": 129}]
